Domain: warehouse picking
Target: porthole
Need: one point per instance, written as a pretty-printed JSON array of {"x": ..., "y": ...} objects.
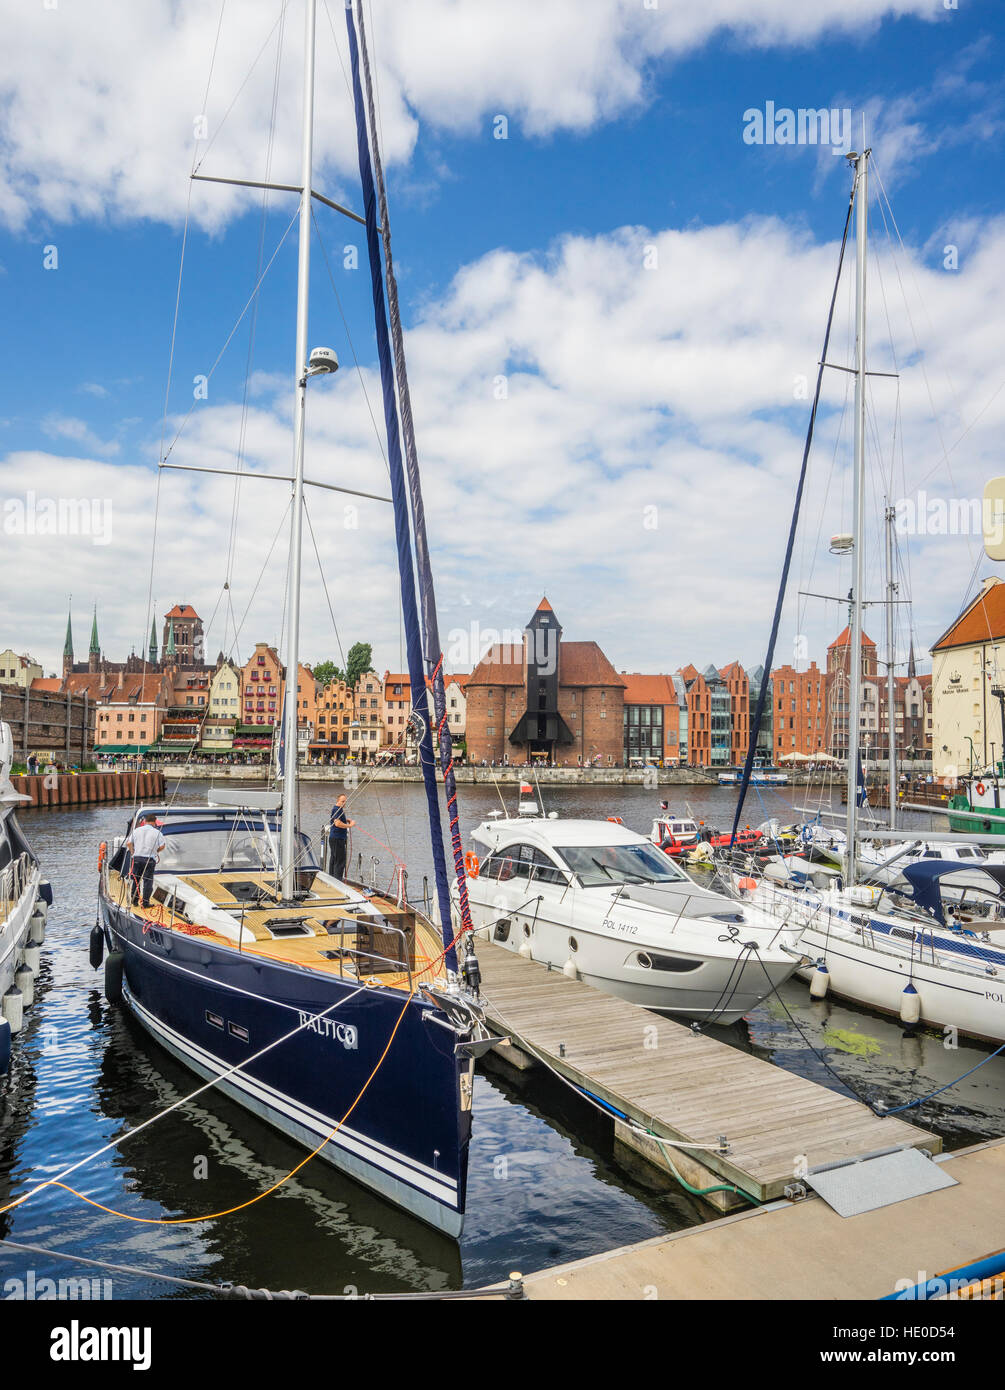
[{"x": 573, "y": 944}]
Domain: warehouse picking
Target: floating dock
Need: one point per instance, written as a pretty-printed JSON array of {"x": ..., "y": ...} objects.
[
  {"x": 761, "y": 1127},
  {"x": 804, "y": 1250}
]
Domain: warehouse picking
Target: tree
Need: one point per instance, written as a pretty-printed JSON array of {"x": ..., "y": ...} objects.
[
  {"x": 358, "y": 662},
  {"x": 326, "y": 671}
]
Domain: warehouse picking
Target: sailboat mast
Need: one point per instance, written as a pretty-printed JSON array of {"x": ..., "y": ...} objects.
[
  {"x": 288, "y": 840},
  {"x": 858, "y": 508},
  {"x": 891, "y": 590}
]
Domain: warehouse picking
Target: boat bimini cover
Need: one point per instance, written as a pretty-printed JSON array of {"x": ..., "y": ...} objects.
[{"x": 926, "y": 876}]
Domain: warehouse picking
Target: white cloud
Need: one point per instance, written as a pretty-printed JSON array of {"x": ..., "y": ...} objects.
[
  {"x": 77, "y": 432},
  {"x": 627, "y": 389},
  {"x": 98, "y": 101}
]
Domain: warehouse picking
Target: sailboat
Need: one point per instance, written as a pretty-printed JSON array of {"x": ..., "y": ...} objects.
[
  {"x": 343, "y": 1017},
  {"x": 911, "y": 947},
  {"x": 24, "y": 904}
]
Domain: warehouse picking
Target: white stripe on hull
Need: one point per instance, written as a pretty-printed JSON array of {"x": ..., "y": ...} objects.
[{"x": 347, "y": 1151}]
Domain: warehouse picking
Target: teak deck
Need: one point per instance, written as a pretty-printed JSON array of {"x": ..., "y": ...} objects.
[
  {"x": 682, "y": 1085},
  {"x": 320, "y": 950}
]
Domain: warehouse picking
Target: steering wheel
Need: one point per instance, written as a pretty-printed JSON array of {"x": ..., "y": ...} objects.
[{"x": 247, "y": 852}]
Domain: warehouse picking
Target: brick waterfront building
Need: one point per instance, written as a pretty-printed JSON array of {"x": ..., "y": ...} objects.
[
  {"x": 800, "y": 721},
  {"x": 547, "y": 700}
]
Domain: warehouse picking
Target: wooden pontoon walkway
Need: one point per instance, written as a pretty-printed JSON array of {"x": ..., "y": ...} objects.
[{"x": 681, "y": 1085}]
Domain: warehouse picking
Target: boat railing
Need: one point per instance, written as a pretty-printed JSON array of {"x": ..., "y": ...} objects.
[
  {"x": 13, "y": 881},
  {"x": 377, "y": 962}
]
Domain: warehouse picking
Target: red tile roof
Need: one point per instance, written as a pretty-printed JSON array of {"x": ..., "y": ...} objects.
[
  {"x": 983, "y": 620},
  {"x": 648, "y": 690},
  {"x": 844, "y": 640}
]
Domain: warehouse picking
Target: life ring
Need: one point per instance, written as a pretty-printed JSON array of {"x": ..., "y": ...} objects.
[
  {"x": 471, "y": 864},
  {"x": 979, "y": 789}
]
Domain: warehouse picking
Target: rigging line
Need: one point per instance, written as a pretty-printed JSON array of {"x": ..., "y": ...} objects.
[
  {"x": 240, "y": 89},
  {"x": 242, "y": 1206},
  {"x": 253, "y": 327},
  {"x": 352, "y": 346},
  {"x": 240, "y": 317},
  {"x": 793, "y": 525},
  {"x": 324, "y": 585},
  {"x": 209, "y": 76},
  {"x": 175, "y": 1105}
]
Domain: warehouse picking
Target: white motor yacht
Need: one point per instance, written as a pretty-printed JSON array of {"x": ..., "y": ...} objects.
[
  {"x": 24, "y": 903},
  {"x": 602, "y": 903}
]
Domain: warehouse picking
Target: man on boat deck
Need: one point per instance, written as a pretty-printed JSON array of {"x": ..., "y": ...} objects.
[
  {"x": 145, "y": 843},
  {"x": 338, "y": 836}
]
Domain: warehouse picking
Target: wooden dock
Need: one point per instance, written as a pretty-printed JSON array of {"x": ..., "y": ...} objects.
[
  {"x": 680, "y": 1085},
  {"x": 804, "y": 1250}
]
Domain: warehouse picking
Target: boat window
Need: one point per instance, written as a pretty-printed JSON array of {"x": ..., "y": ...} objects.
[
  {"x": 594, "y": 865},
  {"x": 247, "y": 847}
]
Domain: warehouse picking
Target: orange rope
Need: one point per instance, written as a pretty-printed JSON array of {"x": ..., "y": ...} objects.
[{"x": 213, "y": 1215}]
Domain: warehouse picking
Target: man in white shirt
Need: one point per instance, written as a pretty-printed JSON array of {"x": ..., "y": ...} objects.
[{"x": 145, "y": 844}]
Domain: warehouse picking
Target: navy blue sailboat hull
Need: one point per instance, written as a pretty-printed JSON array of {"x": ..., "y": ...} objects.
[{"x": 406, "y": 1137}]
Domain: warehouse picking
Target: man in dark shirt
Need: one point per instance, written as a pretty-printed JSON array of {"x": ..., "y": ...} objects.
[{"x": 338, "y": 835}]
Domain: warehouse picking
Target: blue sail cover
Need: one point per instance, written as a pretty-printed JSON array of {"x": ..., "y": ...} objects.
[
  {"x": 399, "y": 495},
  {"x": 432, "y": 651},
  {"x": 926, "y": 875}
]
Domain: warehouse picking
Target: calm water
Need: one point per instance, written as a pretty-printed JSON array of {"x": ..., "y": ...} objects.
[{"x": 544, "y": 1187}]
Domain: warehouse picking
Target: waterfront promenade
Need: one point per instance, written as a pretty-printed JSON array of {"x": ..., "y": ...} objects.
[{"x": 472, "y": 775}]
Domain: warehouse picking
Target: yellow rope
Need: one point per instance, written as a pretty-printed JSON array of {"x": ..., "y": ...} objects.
[{"x": 213, "y": 1215}]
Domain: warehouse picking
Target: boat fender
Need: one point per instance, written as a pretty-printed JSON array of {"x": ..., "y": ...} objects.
[
  {"x": 113, "y": 977},
  {"x": 5, "y": 1039},
  {"x": 32, "y": 955},
  {"x": 25, "y": 981},
  {"x": 820, "y": 981},
  {"x": 12, "y": 1006},
  {"x": 96, "y": 947},
  {"x": 910, "y": 1005}
]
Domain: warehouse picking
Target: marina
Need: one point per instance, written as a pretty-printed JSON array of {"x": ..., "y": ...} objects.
[{"x": 502, "y": 671}]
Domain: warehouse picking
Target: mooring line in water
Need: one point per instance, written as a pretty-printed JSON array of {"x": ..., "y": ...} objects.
[
  {"x": 229, "y": 1211},
  {"x": 241, "y": 1291},
  {"x": 175, "y": 1221}
]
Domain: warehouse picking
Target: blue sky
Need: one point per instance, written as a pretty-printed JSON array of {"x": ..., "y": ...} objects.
[{"x": 497, "y": 241}]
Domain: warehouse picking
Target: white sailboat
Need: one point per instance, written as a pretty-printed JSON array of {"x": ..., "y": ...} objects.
[{"x": 907, "y": 956}]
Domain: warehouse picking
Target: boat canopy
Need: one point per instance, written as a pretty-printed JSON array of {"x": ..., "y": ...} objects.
[{"x": 926, "y": 875}]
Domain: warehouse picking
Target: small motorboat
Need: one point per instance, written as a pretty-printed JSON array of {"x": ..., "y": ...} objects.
[{"x": 602, "y": 903}]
